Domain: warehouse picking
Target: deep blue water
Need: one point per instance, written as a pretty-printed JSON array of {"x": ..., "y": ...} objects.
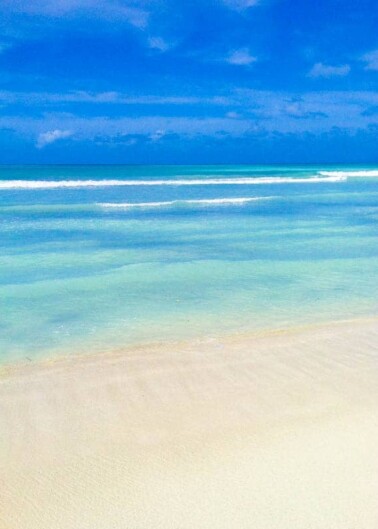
[{"x": 97, "y": 257}]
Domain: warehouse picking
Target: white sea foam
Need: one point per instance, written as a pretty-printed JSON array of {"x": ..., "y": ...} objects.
[
  {"x": 55, "y": 184},
  {"x": 345, "y": 174},
  {"x": 207, "y": 202},
  {"x": 126, "y": 205}
]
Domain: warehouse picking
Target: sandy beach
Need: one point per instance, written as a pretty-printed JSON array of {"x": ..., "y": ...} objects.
[{"x": 266, "y": 431}]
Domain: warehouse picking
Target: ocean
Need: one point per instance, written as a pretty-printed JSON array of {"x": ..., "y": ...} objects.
[{"x": 96, "y": 258}]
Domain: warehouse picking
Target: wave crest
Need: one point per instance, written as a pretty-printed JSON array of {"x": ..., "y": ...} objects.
[
  {"x": 345, "y": 174},
  {"x": 204, "y": 202},
  {"x": 55, "y": 184}
]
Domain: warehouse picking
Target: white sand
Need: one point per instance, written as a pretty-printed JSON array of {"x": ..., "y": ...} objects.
[{"x": 259, "y": 432}]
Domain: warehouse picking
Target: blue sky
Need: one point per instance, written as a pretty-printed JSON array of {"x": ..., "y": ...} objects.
[{"x": 195, "y": 81}]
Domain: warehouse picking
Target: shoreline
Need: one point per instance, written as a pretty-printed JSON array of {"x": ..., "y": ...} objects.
[
  {"x": 273, "y": 430},
  {"x": 13, "y": 365}
]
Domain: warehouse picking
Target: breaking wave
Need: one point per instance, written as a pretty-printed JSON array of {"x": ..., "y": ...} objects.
[
  {"x": 55, "y": 184},
  {"x": 204, "y": 202},
  {"x": 345, "y": 174}
]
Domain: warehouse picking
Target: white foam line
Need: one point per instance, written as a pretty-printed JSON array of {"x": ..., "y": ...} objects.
[
  {"x": 55, "y": 184},
  {"x": 213, "y": 201},
  {"x": 370, "y": 173},
  {"x": 135, "y": 205},
  {"x": 226, "y": 200}
]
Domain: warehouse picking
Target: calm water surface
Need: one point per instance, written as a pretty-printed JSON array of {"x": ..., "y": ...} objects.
[{"x": 97, "y": 257}]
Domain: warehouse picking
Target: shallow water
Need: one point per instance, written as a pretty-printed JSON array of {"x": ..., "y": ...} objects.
[{"x": 98, "y": 257}]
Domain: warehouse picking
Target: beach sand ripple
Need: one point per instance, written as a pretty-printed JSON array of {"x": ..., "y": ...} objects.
[{"x": 269, "y": 431}]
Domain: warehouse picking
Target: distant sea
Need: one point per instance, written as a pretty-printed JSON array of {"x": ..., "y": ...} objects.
[{"x": 96, "y": 258}]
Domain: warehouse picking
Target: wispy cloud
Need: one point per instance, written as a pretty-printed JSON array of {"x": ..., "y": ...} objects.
[
  {"x": 244, "y": 110},
  {"x": 109, "y": 97},
  {"x": 131, "y": 11},
  {"x": 157, "y": 135},
  {"x": 233, "y": 115},
  {"x": 51, "y": 136},
  {"x": 240, "y": 5},
  {"x": 264, "y": 104},
  {"x": 158, "y": 43},
  {"x": 344, "y": 109},
  {"x": 324, "y": 70},
  {"x": 241, "y": 57},
  {"x": 371, "y": 60}
]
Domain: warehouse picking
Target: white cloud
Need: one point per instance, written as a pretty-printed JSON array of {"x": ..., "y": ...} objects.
[
  {"x": 233, "y": 115},
  {"x": 45, "y": 138},
  {"x": 324, "y": 70},
  {"x": 311, "y": 111},
  {"x": 240, "y": 5},
  {"x": 131, "y": 11},
  {"x": 110, "y": 97},
  {"x": 285, "y": 112},
  {"x": 157, "y": 135},
  {"x": 371, "y": 60},
  {"x": 241, "y": 57},
  {"x": 157, "y": 43}
]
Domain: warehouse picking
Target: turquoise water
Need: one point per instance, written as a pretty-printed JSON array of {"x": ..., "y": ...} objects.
[{"x": 98, "y": 257}]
